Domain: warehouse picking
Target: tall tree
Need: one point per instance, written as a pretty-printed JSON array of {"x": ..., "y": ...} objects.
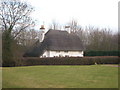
[
  {"x": 55, "y": 25},
  {"x": 14, "y": 18},
  {"x": 74, "y": 26},
  {"x": 100, "y": 39},
  {"x": 28, "y": 37}
]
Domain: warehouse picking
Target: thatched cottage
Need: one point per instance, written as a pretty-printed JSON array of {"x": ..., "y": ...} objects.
[{"x": 57, "y": 43}]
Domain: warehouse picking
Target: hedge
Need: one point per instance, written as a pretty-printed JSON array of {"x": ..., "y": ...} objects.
[
  {"x": 57, "y": 61},
  {"x": 102, "y": 53},
  {"x": 106, "y": 60},
  {"x": 68, "y": 61}
]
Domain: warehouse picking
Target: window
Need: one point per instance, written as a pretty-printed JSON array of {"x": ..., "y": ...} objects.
[
  {"x": 60, "y": 55},
  {"x": 57, "y": 51},
  {"x": 66, "y": 51},
  {"x": 66, "y": 55},
  {"x": 44, "y": 56}
]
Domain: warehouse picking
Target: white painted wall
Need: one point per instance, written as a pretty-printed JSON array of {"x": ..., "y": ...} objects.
[
  {"x": 62, "y": 54},
  {"x": 41, "y": 35},
  {"x": 46, "y": 54}
]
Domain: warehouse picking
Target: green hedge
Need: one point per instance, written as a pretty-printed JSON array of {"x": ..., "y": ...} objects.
[
  {"x": 57, "y": 61},
  {"x": 106, "y": 60},
  {"x": 68, "y": 61},
  {"x": 102, "y": 53}
]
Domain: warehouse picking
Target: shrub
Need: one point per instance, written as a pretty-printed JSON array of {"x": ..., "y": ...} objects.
[
  {"x": 102, "y": 53},
  {"x": 106, "y": 60},
  {"x": 58, "y": 61},
  {"x": 68, "y": 61}
]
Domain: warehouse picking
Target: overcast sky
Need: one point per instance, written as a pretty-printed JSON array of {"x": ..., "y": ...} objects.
[{"x": 98, "y": 13}]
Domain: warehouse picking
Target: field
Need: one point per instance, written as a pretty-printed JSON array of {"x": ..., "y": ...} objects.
[
  {"x": 0, "y": 77},
  {"x": 92, "y": 76}
]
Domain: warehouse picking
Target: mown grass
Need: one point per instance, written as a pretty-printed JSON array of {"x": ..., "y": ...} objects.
[
  {"x": 92, "y": 76},
  {"x": 0, "y": 77}
]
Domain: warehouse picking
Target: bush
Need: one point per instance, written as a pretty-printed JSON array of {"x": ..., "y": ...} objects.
[
  {"x": 102, "y": 53},
  {"x": 106, "y": 60},
  {"x": 57, "y": 61},
  {"x": 68, "y": 61},
  {"x": 7, "y": 54}
]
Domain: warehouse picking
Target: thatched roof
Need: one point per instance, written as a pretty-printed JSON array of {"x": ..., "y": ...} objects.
[
  {"x": 59, "y": 41},
  {"x": 62, "y": 40}
]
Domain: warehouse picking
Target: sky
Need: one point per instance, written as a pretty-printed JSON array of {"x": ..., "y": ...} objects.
[{"x": 98, "y": 13}]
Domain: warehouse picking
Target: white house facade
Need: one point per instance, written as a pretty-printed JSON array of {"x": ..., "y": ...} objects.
[{"x": 62, "y": 54}]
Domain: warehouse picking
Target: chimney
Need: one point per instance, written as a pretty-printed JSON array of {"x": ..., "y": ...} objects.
[
  {"x": 42, "y": 33},
  {"x": 67, "y": 28},
  {"x": 42, "y": 27}
]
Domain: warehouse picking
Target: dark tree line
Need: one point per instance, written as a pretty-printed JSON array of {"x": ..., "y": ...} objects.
[
  {"x": 93, "y": 38},
  {"x": 96, "y": 39}
]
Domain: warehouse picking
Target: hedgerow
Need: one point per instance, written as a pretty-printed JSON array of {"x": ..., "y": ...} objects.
[{"x": 68, "y": 61}]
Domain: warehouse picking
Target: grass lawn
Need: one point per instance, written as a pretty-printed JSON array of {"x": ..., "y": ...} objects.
[
  {"x": 93, "y": 76},
  {"x": 0, "y": 77}
]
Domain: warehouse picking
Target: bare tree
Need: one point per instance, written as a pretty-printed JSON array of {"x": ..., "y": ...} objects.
[
  {"x": 100, "y": 39},
  {"x": 83, "y": 34},
  {"x": 74, "y": 26},
  {"x": 15, "y": 16},
  {"x": 115, "y": 41},
  {"x": 28, "y": 37},
  {"x": 55, "y": 25}
]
